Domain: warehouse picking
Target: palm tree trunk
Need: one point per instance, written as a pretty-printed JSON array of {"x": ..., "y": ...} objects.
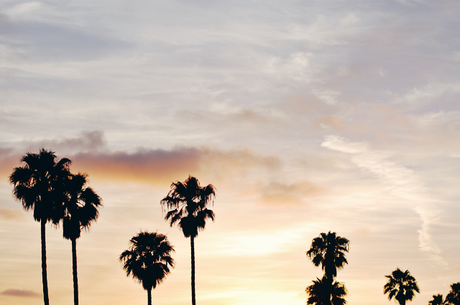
[
  {"x": 74, "y": 271},
  {"x": 192, "y": 246},
  {"x": 149, "y": 296},
  {"x": 44, "y": 271}
]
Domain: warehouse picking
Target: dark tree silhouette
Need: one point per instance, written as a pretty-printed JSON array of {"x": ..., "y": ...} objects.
[
  {"x": 39, "y": 185},
  {"x": 401, "y": 285},
  {"x": 148, "y": 260},
  {"x": 187, "y": 203},
  {"x": 322, "y": 292},
  {"x": 453, "y": 297},
  {"x": 80, "y": 211},
  {"x": 437, "y": 300},
  {"x": 328, "y": 250}
]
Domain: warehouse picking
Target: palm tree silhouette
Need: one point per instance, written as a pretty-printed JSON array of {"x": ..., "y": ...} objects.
[
  {"x": 401, "y": 285},
  {"x": 322, "y": 292},
  {"x": 80, "y": 211},
  {"x": 187, "y": 206},
  {"x": 39, "y": 185},
  {"x": 453, "y": 297},
  {"x": 148, "y": 259},
  {"x": 437, "y": 300},
  {"x": 329, "y": 251}
]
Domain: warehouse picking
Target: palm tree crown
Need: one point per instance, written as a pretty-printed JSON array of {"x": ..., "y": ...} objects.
[
  {"x": 187, "y": 204},
  {"x": 148, "y": 259},
  {"x": 322, "y": 292},
  {"x": 39, "y": 184},
  {"x": 437, "y": 300},
  {"x": 329, "y": 251},
  {"x": 401, "y": 285},
  {"x": 81, "y": 207},
  {"x": 453, "y": 297}
]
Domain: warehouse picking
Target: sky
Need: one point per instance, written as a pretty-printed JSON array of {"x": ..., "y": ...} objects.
[{"x": 307, "y": 116}]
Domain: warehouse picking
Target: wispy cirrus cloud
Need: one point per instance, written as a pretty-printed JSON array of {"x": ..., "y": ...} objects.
[{"x": 399, "y": 181}]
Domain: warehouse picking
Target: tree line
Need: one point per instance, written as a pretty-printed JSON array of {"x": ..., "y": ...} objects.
[
  {"x": 329, "y": 250},
  {"x": 45, "y": 185}
]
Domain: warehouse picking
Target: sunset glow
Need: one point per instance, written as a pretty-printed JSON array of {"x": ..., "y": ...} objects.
[{"x": 306, "y": 116}]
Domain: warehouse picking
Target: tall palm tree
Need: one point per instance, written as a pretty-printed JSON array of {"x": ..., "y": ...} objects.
[
  {"x": 80, "y": 211},
  {"x": 328, "y": 250},
  {"x": 453, "y": 297},
  {"x": 437, "y": 300},
  {"x": 322, "y": 292},
  {"x": 187, "y": 203},
  {"x": 148, "y": 259},
  {"x": 401, "y": 285},
  {"x": 38, "y": 184}
]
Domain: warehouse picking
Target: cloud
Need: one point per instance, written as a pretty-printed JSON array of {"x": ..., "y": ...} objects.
[
  {"x": 159, "y": 165},
  {"x": 430, "y": 91},
  {"x": 280, "y": 194},
  {"x": 20, "y": 293},
  {"x": 63, "y": 147},
  {"x": 399, "y": 181},
  {"x": 88, "y": 153},
  {"x": 331, "y": 121},
  {"x": 327, "y": 96},
  {"x": 10, "y": 214},
  {"x": 231, "y": 114},
  {"x": 342, "y": 145},
  {"x": 86, "y": 141},
  {"x": 298, "y": 67}
]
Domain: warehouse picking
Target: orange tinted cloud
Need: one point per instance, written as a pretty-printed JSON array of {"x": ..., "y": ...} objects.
[
  {"x": 288, "y": 194},
  {"x": 158, "y": 165},
  {"x": 146, "y": 165}
]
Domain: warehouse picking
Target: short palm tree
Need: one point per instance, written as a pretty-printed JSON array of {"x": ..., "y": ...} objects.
[
  {"x": 328, "y": 250},
  {"x": 401, "y": 285},
  {"x": 187, "y": 204},
  {"x": 80, "y": 211},
  {"x": 322, "y": 292},
  {"x": 148, "y": 260},
  {"x": 437, "y": 300},
  {"x": 38, "y": 184},
  {"x": 453, "y": 297}
]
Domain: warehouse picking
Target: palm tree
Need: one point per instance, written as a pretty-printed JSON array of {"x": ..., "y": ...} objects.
[
  {"x": 453, "y": 297},
  {"x": 329, "y": 251},
  {"x": 401, "y": 285},
  {"x": 322, "y": 292},
  {"x": 80, "y": 211},
  {"x": 38, "y": 184},
  {"x": 437, "y": 300},
  {"x": 148, "y": 259},
  {"x": 187, "y": 207}
]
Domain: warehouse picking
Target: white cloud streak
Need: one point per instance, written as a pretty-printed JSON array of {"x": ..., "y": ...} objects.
[{"x": 400, "y": 181}]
